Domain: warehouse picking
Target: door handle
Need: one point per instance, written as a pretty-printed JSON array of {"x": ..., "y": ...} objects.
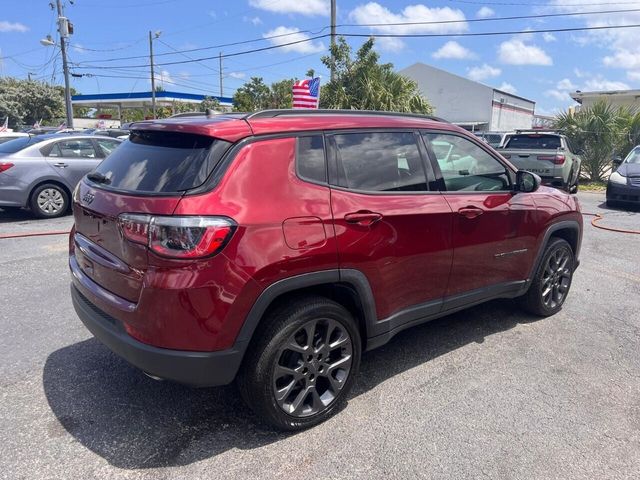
[
  {"x": 470, "y": 212},
  {"x": 363, "y": 217},
  {"x": 61, "y": 165}
]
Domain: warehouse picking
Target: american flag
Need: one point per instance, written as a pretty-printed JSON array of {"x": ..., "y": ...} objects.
[
  {"x": 5, "y": 126},
  {"x": 306, "y": 93}
]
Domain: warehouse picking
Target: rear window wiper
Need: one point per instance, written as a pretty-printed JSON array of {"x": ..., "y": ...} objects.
[{"x": 99, "y": 178}]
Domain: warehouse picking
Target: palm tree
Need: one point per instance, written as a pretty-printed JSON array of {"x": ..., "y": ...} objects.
[{"x": 594, "y": 131}]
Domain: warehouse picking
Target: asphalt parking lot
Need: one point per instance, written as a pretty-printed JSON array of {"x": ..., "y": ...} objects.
[{"x": 488, "y": 392}]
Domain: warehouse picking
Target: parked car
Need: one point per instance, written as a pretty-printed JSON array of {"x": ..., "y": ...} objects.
[
  {"x": 548, "y": 154},
  {"x": 278, "y": 246},
  {"x": 623, "y": 186},
  {"x": 492, "y": 138},
  {"x": 112, "y": 132},
  {"x": 41, "y": 171},
  {"x": 6, "y": 136}
]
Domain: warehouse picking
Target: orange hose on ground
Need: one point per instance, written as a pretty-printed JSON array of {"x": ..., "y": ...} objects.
[{"x": 599, "y": 216}]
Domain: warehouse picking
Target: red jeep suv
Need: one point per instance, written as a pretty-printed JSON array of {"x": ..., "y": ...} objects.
[{"x": 275, "y": 247}]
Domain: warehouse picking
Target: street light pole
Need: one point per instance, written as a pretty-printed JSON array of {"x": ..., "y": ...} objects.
[
  {"x": 153, "y": 78},
  {"x": 63, "y": 31}
]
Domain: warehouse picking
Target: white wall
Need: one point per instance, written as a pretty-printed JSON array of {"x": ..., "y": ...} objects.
[{"x": 509, "y": 112}]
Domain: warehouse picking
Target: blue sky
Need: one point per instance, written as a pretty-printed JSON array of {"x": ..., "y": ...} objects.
[{"x": 542, "y": 67}]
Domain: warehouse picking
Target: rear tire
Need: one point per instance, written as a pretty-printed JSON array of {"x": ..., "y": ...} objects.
[
  {"x": 49, "y": 200},
  {"x": 302, "y": 364},
  {"x": 552, "y": 281}
]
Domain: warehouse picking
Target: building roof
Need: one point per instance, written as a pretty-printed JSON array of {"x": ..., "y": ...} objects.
[
  {"x": 141, "y": 99},
  {"x": 445, "y": 72},
  {"x": 578, "y": 96}
]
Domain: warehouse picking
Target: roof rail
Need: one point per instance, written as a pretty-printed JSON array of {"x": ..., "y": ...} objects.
[
  {"x": 327, "y": 111},
  {"x": 538, "y": 130}
]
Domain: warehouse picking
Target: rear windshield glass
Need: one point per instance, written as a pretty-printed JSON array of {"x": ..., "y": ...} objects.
[
  {"x": 17, "y": 144},
  {"x": 534, "y": 142},
  {"x": 161, "y": 162}
]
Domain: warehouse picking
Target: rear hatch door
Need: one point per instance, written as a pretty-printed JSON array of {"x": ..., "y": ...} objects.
[
  {"x": 537, "y": 153},
  {"x": 146, "y": 175}
]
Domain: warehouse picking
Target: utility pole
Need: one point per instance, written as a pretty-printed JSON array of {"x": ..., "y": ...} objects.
[
  {"x": 333, "y": 39},
  {"x": 63, "y": 30},
  {"x": 153, "y": 78},
  {"x": 220, "y": 68}
]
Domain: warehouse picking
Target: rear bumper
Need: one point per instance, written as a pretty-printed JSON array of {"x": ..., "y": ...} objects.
[
  {"x": 554, "y": 182},
  {"x": 623, "y": 193},
  {"x": 202, "y": 369}
]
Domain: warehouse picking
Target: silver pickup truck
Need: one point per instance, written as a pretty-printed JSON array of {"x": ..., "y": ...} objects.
[{"x": 547, "y": 154}]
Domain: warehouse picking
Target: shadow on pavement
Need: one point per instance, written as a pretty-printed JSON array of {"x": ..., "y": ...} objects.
[
  {"x": 622, "y": 207},
  {"x": 135, "y": 422}
]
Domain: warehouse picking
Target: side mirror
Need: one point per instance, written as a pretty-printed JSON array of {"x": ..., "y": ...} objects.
[
  {"x": 527, "y": 181},
  {"x": 617, "y": 160}
]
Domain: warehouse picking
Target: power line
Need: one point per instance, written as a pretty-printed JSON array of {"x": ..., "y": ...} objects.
[
  {"x": 393, "y": 35},
  {"x": 227, "y": 55},
  {"x": 319, "y": 31},
  {"x": 211, "y": 47},
  {"x": 529, "y": 4},
  {"x": 491, "y": 19}
]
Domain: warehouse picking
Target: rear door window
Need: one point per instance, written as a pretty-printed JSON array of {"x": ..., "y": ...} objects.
[
  {"x": 534, "y": 142},
  {"x": 380, "y": 162},
  {"x": 106, "y": 146},
  {"x": 73, "y": 148},
  {"x": 310, "y": 158},
  {"x": 161, "y": 162}
]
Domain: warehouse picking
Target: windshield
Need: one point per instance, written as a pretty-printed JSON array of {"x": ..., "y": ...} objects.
[
  {"x": 161, "y": 162},
  {"x": 13, "y": 146},
  {"x": 633, "y": 157},
  {"x": 534, "y": 142}
]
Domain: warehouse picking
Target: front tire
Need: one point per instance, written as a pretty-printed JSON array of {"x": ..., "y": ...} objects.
[
  {"x": 49, "y": 201},
  {"x": 552, "y": 281},
  {"x": 303, "y": 363}
]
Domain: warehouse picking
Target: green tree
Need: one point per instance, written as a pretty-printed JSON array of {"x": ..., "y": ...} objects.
[
  {"x": 362, "y": 83},
  {"x": 209, "y": 103},
  {"x": 256, "y": 95},
  {"x": 596, "y": 133},
  {"x": 253, "y": 95},
  {"x": 26, "y": 102},
  {"x": 282, "y": 94}
]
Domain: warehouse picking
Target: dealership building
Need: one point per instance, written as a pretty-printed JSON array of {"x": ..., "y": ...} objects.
[{"x": 472, "y": 105}]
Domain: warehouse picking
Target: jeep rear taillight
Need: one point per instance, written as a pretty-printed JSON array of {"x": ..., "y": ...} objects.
[
  {"x": 4, "y": 166},
  {"x": 556, "y": 159},
  {"x": 178, "y": 237}
]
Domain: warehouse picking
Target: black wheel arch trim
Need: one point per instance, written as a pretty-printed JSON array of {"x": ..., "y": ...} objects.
[{"x": 555, "y": 227}]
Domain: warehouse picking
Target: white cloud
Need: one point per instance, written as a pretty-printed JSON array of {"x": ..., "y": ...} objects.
[
  {"x": 253, "y": 20},
  {"x": 507, "y": 87},
  {"x": 78, "y": 48},
  {"x": 184, "y": 75},
  {"x": 308, "y": 7},
  {"x": 373, "y": 12},
  {"x": 389, "y": 44},
  {"x": 633, "y": 76},
  {"x": 237, "y": 75},
  {"x": 12, "y": 27},
  {"x": 562, "y": 96},
  {"x": 549, "y": 37},
  {"x": 485, "y": 12},
  {"x": 164, "y": 77},
  {"x": 599, "y": 83},
  {"x": 453, "y": 50},
  {"x": 482, "y": 73},
  {"x": 566, "y": 84},
  {"x": 623, "y": 59},
  {"x": 286, "y": 35},
  {"x": 622, "y": 43},
  {"x": 579, "y": 73},
  {"x": 516, "y": 52}
]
